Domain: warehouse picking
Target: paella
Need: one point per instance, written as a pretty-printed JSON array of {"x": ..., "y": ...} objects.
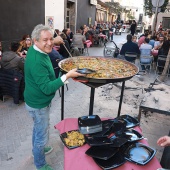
[{"x": 105, "y": 68}]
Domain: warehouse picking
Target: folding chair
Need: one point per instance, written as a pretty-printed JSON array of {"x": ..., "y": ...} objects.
[
  {"x": 131, "y": 56},
  {"x": 146, "y": 61},
  {"x": 161, "y": 63}
]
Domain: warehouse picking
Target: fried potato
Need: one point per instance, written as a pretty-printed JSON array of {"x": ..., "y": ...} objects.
[{"x": 74, "y": 138}]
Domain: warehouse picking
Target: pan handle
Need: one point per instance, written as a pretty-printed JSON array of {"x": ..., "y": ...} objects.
[{"x": 82, "y": 81}]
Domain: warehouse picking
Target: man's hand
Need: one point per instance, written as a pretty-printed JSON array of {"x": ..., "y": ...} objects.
[
  {"x": 72, "y": 73},
  {"x": 58, "y": 40},
  {"x": 164, "y": 141}
]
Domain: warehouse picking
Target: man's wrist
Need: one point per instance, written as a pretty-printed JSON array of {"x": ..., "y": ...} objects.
[{"x": 64, "y": 79}]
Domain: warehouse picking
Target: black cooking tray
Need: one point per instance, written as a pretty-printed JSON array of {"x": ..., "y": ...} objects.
[
  {"x": 131, "y": 134},
  {"x": 139, "y": 153},
  {"x": 97, "y": 141},
  {"x": 101, "y": 152},
  {"x": 115, "y": 161},
  {"x": 106, "y": 129},
  {"x": 128, "y": 120},
  {"x": 117, "y": 142}
]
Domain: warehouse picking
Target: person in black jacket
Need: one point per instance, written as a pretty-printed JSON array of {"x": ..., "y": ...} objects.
[
  {"x": 164, "y": 48},
  {"x": 162, "y": 51},
  {"x": 129, "y": 46},
  {"x": 133, "y": 27},
  {"x": 55, "y": 58},
  {"x": 62, "y": 49}
]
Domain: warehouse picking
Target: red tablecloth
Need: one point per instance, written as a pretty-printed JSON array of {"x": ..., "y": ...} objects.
[
  {"x": 56, "y": 48},
  {"x": 102, "y": 35},
  {"x": 76, "y": 159},
  {"x": 88, "y": 43}
]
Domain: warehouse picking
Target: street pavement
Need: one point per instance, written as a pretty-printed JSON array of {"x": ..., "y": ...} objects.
[{"x": 16, "y": 125}]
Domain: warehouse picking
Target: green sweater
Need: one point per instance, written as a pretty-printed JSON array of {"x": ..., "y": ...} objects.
[{"x": 40, "y": 81}]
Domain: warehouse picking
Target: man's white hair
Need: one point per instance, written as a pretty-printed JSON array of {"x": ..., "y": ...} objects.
[{"x": 38, "y": 29}]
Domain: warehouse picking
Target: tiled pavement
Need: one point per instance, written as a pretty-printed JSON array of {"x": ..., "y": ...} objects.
[{"x": 16, "y": 126}]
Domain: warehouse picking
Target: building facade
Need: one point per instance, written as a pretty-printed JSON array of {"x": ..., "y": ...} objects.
[
  {"x": 54, "y": 14},
  {"x": 86, "y": 12},
  {"x": 20, "y": 17}
]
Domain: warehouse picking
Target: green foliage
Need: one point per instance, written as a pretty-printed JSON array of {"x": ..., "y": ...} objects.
[
  {"x": 148, "y": 7},
  {"x": 130, "y": 16},
  {"x": 115, "y": 7}
]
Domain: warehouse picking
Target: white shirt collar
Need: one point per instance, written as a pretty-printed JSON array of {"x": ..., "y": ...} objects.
[{"x": 37, "y": 49}]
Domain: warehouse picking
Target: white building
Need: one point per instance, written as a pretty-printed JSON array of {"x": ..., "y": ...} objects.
[
  {"x": 135, "y": 8},
  {"x": 54, "y": 14}
]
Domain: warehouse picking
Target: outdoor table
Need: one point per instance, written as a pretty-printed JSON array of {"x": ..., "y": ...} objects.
[{"x": 76, "y": 159}]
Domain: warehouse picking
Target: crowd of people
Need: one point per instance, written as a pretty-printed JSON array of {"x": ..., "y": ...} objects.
[
  {"x": 35, "y": 56},
  {"x": 148, "y": 47}
]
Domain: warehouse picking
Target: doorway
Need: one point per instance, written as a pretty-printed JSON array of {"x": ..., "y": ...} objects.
[{"x": 67, "y": 18}]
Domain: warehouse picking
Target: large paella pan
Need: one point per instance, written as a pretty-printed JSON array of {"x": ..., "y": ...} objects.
[{"x": 107, "y": 70}]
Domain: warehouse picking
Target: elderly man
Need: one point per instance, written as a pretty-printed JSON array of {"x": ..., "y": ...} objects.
[{"x": 40, "y": 87}]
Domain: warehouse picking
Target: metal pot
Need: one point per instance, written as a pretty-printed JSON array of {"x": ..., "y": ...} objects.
[{"x": 101, "y": 80}]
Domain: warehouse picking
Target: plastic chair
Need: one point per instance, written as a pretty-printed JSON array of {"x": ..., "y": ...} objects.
[
  {"x": 131, "y": 56},
  {"x": 161, "y": 63},
  {"x": 146, "y": 61}
]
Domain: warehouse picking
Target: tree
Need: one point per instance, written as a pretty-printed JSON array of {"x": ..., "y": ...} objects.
[
  {"x": 148, "y": 7},
  {"x": 115, "y": 7}
]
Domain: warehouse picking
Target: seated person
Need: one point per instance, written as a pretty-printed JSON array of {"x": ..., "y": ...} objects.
[
  {"x": 67, "y": 32},
  {"x": 129, "y": 46},
  {"x": 11, "y": 60},
  {"x": 163, "y": 51},
  {"x": 145, "y": 50},
  {"x": 134, "y": 39},
  {"x": 142, "y": 38},
  {"x": 86, "y": 33},
  {"x": 95, "y": 33},
  {"x": 56, "y": 32},
  {"x": 22, "y": 44},
  {"x": 102, "y": 32},
  {"x": 26, "y": 45},
  {"x": 78, "y": 40},
  {"x": 159, "y": 43},
  {"x": 152, "y": 41},
  {"x": 62, "y": 49},
  {"x": 55, "y": 58}
]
